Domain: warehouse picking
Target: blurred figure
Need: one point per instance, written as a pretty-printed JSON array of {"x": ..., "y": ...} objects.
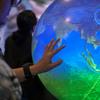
[
  {"x": 38, "y": 7},
  {"x": 18, "y": 52},
  {"x": 9, "y": 85}
]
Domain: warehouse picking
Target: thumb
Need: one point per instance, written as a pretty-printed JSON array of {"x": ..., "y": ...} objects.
[{"x": 55, "y": 64}]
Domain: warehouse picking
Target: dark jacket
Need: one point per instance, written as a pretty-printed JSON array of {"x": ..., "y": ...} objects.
[{"x": 17, "y": 53}]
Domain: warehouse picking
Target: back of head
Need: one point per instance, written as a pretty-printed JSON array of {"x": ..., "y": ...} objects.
[{"x": 26, "y": 21}]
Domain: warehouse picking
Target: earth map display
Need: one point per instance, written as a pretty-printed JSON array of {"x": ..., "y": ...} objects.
[{"x": 77, "y": 24}]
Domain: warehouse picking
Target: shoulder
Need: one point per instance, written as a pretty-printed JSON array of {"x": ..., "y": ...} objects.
[{"x": 9, "y": 40}]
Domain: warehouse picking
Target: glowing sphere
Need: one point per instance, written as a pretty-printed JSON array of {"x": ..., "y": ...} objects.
[{"x": 77, "y": 23}]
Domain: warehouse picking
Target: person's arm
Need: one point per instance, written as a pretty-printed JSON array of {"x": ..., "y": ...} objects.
[{"x": 45, "y": 64}]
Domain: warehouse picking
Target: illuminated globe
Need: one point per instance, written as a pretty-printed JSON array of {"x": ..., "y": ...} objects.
[{"x": 77, "y": 24}]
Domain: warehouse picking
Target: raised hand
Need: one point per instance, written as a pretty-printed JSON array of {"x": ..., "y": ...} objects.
[{"x": 45, "y": 64}]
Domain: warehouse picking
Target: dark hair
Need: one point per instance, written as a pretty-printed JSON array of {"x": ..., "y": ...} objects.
[{"x": 26, "y": 20}]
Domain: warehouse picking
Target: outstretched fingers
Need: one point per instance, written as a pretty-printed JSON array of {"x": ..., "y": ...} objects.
[
  {"x": 58, "y": 49},
  {"x": 50, "y": 44},
  {"x": 54, "y": 43}
]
